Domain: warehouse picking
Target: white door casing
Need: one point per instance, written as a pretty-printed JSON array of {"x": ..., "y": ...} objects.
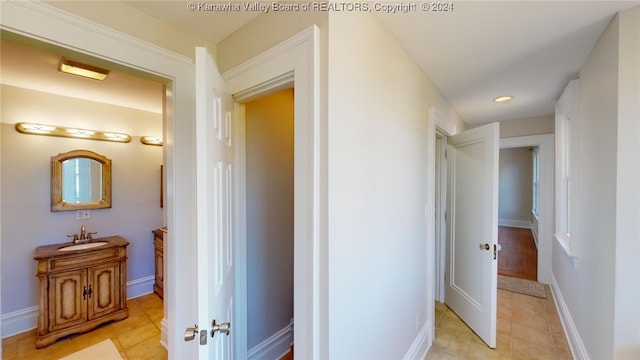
[
  {"x": 472, "y": 271},
  {"x": 292, "y": 62},
  {"x": 214, "y": 203},
  {"x": 46, "y": 23}
]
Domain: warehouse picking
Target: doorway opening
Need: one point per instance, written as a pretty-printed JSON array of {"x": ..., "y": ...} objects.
[
  {"x": 130, "y": 101},
  {"x": 517, "y": 212},
  {"x": 269, "y": 187}
]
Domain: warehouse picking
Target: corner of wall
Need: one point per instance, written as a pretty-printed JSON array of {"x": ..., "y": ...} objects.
[{"x": 421, "y": 344}]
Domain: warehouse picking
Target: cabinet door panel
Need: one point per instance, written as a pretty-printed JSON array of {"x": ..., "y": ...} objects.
[
  {"x": 68, "y": 308},
  {"x": 105, "y": 289},
  {"x": 158, "y": 287}
]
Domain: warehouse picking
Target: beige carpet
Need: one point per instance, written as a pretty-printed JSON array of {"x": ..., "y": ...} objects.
[
  {"x": 104, "y": 350},
  {"x": 521, "y": 286}
]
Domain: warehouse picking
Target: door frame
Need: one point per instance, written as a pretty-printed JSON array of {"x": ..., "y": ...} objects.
[
  {"x": 292, "y": 63},
  {"x": 546, "y": 146},
  {"x": 440, "y": 215},
  {"x": 437, "y": 123},
  {"x": 49, "y": 24}
]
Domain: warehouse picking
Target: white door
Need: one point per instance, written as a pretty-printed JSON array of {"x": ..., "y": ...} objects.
[
  {"x": 472, "y": 261},
  {"x": 215, "y": 238}
]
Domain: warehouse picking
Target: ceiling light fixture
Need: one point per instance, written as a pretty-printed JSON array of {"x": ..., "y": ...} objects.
[
  {"x": 61, "y": 131},
  {"x": 85, "y": 70},
  {"x": 503, "y": 99},
  {"x": 151, "y": 140}
]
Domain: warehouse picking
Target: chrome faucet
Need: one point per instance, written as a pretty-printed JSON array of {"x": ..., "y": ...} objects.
[{"x": 83, "y": 233}]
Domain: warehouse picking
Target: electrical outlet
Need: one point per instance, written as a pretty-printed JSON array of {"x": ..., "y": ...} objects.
[{"x": 83, "y": 214}]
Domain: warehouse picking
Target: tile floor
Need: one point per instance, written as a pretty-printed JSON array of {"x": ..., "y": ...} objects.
[
  {"x": 137, "y": 337},
  {"x": 528, "y": 328}
]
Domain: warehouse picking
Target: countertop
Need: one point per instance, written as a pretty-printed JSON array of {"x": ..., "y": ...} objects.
[{"x": 48, "y": 251}]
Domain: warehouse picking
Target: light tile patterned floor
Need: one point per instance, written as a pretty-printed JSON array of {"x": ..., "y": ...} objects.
[
  {"x": 528, "y": 328},
  {"x": 137, "y": 337}
]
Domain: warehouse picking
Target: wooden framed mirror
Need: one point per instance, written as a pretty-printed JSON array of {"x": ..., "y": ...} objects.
[{"x": 80, "y": 180}]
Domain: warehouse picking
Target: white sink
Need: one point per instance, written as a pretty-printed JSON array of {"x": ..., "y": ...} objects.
[{"x": 83, "y": 246}]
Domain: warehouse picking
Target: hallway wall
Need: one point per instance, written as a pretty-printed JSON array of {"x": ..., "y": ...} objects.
[
  {"x": 601, "y": 287},
  {"x": 269, "y": 139},
  {"x": 377, "y": 136}
]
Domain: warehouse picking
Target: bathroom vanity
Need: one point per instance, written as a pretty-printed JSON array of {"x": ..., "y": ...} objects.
[
  {"x": 81, "y": 286},
  {"x": 158, "y": 244}
]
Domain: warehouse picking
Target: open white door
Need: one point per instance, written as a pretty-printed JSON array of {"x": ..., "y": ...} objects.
[
  {"x": 472, "y": 264},
  {"x": 215, "y": 260}
]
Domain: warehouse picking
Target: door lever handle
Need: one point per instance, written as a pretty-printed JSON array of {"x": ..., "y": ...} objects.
[
  {"x": 190, "y": 333},
  {"x": 485, "y": 246},
  {"x": 496, "y": 248},
  {"x": 223, "y": 328}
]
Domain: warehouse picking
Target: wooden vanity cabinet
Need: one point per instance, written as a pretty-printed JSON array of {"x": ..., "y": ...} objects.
[
  {"x": 80, "y": 289},
  {"x": 158, "y": 244}
]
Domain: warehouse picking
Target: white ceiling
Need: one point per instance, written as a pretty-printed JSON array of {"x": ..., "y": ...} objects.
[
  {"x": 481, "y": 50},
  {"x": 478, "y": 51}
]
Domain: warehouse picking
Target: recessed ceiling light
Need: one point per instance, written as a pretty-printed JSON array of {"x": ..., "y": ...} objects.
[{"x": 503, "y": 99}]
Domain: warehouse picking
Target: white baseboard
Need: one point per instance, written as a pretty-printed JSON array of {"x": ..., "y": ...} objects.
[
  {"x": 578, "y": 351},
  {"x": 524, "y": 224},
  {"x": 421, "y": 344},
  {"x": 275, "y": 346},
  {"x": 22, "y": 320},
  {"x": 164, "y": 333},
  {"x": 19, "y": 321},
  {"x": 534, "y": 232},
  {"x": 139, "y": 287}
]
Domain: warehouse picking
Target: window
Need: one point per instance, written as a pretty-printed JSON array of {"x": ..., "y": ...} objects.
[
  {"x": 567, "y": 127},
  {"x": 536, "y": 181}
]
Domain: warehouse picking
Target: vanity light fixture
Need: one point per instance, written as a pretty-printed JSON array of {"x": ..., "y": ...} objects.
[
  {"x": 503, "y": 99},
  {"x": 34, "y": 128},
  {"x": 73, "y": 67},
  {"x": 151, "y": 140},
  {"x": 117, "y": 137},
  {"x": 61, "y": 131},
  {"x": 81, "y": 132}
]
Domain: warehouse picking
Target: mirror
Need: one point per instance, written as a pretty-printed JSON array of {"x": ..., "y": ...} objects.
[{"x": 80, "y": 180}]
